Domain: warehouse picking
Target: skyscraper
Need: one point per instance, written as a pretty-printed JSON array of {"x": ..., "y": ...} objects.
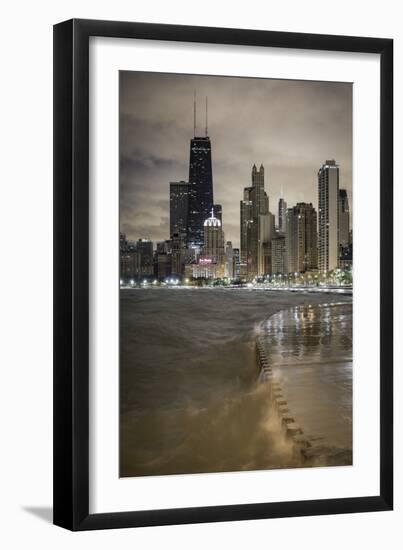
[
  {"x": 213, "y": 247},
  {"x": 128, "y": 259},
  {"x": 163, "y": 264},
  {"x": 177, "y": 254},
  {"x": 200, "y": 185},
  {"x": 328, "y": 192},
  {"x": 257, "y": 227},
  {"x": 144, "y": 248},
  {"x": 301, "y": 238},
  {"x": 178, "y": 207},
  {"x": 211, "y": 262},
  {"x": 246, "y": 222},
  {"x": 229, "y": 260},
  {"x": 344, "y": 219},
  {"x": 136, "y": 258},
  {"x": 237, "y": 262},
  {"x": 282, "y": 215},
  {"x": 278, "y": 254},
  {"x": 266, "y": 232}
]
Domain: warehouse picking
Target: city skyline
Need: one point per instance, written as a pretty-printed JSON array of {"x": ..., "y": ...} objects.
[{"x": 311, "y": 119}]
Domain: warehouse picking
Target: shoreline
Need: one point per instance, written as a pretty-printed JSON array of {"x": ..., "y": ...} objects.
[{"x": 347, "y": 291}]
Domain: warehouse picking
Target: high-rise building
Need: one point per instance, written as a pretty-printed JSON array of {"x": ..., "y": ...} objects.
[
  {"x": 129, "y": 266},
  {"x": 211, "y": 263},
  {"x": 237, "y": 262},
  {"x": 177, "y": 254},
  {"x": 213, "y": 246},
  {"x": 256, "y": 228},
  {"x": 328, "y": 195},
  {"x": 282, "y": 215},
  {"x": 301, "y": 238},
  {"x": 200, "y": 189},
  {"x": 266, "y": 233},
  {"x": 246, "y": 230},
  {"x": 278, "y": 254},
  {"x": 344, "y": 219},
  {"x": 122, "y": 243},
  {"x": 144, "y": 249},
  {"x": 129, "y": 262},
  {"x": 178, "y": 207},
  {"x": 163, "y": 265},
  {"x": 136, "y": 258},
  {"x": 229, "y": 260}
]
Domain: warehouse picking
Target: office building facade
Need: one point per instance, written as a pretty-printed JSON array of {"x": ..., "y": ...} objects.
[
  {"x": 344, "y": 219},
  {"x": 178, "y": 207},
  {"x": 301, "y": 239},
  {"x": 328, "y": 226},
  {"x": 200, "y": 189},
  {"x": 229, "y": 260},
  {"x": 282, "y": 215},
  {"x": 278, "y": 254}
]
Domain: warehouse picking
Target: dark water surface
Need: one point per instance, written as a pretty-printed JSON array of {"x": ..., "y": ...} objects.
[{"x": 189, "y": 397}]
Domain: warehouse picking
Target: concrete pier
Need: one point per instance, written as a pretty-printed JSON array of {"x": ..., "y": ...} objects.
[{"x": 305, "y": 357}]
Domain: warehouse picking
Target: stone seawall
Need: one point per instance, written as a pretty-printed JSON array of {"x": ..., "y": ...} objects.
[{"x": 291, "y": 375}]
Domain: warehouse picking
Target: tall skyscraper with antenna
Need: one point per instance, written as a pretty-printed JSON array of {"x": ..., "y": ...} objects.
[{"x": 200, "y": 183}]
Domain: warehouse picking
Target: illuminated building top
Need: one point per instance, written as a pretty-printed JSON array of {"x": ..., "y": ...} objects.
[{"x": 212, "y": 221}]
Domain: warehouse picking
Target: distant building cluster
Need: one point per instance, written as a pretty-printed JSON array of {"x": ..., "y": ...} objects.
[{"x": 302, "y": 240}]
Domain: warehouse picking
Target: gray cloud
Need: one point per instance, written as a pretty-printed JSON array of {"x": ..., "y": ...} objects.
[{"x": 291, "y": 127}]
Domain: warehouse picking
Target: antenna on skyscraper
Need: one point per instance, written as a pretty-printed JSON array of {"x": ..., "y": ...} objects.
[
  {"x": 194, "y": 113},
  {"x": 206, "y": 116}
]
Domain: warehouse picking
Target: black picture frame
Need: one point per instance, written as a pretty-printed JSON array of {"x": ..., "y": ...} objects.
[{"x": 71, "y": 274}]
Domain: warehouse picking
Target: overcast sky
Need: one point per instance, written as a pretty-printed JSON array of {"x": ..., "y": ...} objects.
[{"x": 291, "y": 127}]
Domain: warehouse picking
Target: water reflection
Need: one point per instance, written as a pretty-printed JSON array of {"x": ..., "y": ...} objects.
[
  {"x": 310, "y": 351},
  {"x": 310, "y": 333}
]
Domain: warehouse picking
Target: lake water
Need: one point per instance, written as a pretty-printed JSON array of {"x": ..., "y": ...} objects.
[{"x": 190, "y": 400}]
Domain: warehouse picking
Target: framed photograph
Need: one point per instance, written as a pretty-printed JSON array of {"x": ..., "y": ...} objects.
[{"x": 223, "y": 274}]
